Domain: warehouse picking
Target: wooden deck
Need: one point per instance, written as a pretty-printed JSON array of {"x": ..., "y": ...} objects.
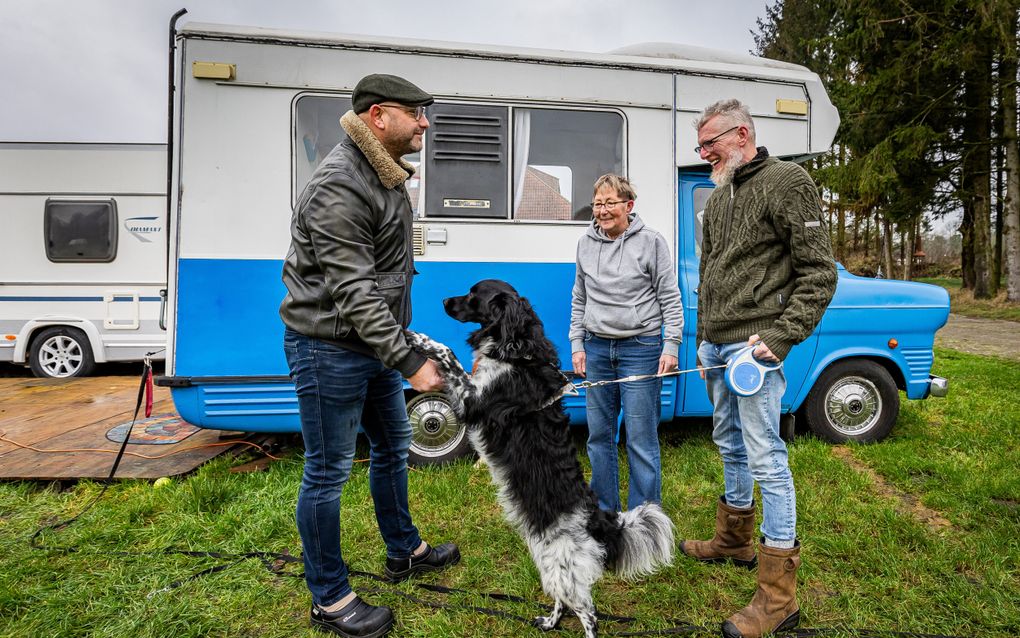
[{"x": 75, "y": 414}]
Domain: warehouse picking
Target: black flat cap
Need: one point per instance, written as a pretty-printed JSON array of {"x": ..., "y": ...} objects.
[{"x": 379, "y": 87}]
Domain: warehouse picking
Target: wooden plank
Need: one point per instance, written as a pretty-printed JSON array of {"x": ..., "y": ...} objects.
[
  {"x": 70, "y": 414},
  {"x": 32, "y": 419}
]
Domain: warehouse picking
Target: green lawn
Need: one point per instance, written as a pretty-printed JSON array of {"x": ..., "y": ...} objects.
[
  {"x": 963, "y": 302},
  {"x": 870, "y": 561}
]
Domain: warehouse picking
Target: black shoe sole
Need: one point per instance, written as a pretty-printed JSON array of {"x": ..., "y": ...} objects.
[
  {"x": 397, "y": 577},
  {"x": 739, "y": 562},
  {"x": 322, "y": 625},
  {"x": 729, "y": 630}
]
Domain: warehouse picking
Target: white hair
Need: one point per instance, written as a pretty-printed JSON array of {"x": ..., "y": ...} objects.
[{"x": 731, "y": 110}]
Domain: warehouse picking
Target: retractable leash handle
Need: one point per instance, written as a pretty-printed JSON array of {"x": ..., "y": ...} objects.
[{"x": 744, "y": 374}]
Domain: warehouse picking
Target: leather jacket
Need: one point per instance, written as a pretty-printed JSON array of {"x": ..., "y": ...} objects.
[{"x": 349, "y": 269}]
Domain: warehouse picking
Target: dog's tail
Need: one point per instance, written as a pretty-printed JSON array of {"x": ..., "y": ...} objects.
[{"x": 646, "y": 541}]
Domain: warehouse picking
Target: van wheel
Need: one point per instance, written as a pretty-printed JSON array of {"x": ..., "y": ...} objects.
[
  {"x": 437, "y": 436},
  {"x": 60, "y": 352},
  {"x": 853, "y": 400}
]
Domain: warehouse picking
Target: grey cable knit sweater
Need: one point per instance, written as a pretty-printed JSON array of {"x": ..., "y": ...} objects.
[{"x": 766, "y": 264}]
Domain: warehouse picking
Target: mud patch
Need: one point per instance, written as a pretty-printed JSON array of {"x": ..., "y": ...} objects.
[
  {"x": 974, "y": 335},
  {"x": 905, "y": 502}
]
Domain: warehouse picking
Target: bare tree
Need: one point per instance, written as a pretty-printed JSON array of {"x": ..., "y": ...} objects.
[{"x": 1011, "y": 223}]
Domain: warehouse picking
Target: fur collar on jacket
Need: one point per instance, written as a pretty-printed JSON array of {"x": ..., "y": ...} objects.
[{"x": 390, "y": 173}]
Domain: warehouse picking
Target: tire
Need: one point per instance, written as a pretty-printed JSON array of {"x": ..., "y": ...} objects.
[
  {"x": 853, "y": 400},
  {"x": 437, "y": 436},
  {"x": 788, "y": 426},
  {"x": 60, "y": 352}
]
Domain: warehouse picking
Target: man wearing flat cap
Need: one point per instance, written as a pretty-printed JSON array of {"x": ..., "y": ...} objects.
[{"x": 348, "y": 276}]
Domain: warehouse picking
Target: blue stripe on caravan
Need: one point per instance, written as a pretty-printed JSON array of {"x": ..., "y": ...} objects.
[
  {"x": 117, "y": 299},
  {"x": 228, "y": 320},
  {"x": 228, "y": 324}
]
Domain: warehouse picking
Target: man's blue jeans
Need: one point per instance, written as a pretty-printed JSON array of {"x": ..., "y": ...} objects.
[
  {"x": 746, "y": 430},
  {"x": 339, "y": 390},
  {"x": 613, "y": 359}
]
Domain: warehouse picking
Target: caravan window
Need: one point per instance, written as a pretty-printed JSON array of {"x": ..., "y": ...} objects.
[
  {"x": 497, "y": 162},
  {"x": 701, "y": 195},
  {"x": 317, "y": 130},
  {"x": 484, "y": 161},
  {"x": 558, "y": 155},
  {"x": 80, "y": 231}
]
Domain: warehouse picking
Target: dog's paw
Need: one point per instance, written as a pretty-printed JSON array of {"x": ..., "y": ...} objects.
[
  {"x": 545, "y": 623},
  {"x": 429, "y": 347},
  {"x": 416, "y": 340}
]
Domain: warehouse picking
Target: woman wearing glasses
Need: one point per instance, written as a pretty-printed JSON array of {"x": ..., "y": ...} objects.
[{"x": 626, "y": 319}]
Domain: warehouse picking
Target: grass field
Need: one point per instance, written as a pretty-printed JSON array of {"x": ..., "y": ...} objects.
[
  {"x": 916, "y": 534},
  {"x": 963, "y": 302}
]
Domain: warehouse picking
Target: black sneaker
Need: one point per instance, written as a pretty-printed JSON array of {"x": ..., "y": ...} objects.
[
  {"x": 357, "y": 620},
  {"x": 432, "y": 560}
]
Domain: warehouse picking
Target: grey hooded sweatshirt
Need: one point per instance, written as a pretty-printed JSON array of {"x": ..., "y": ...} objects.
[{"x": 625, "y": 287}]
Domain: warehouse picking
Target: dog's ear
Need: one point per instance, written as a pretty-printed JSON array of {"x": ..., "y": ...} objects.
[{"x": 515, "y": 320}]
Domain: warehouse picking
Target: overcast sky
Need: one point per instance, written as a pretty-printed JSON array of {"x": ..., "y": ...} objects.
[{"x": 96, "y": 70}]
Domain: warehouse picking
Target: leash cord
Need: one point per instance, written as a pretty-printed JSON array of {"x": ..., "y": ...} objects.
[
  {"x": 641, "y": 377},
  {"x": 274, "y": 563}
]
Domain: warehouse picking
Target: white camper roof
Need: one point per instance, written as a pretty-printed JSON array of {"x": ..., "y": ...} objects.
[
  {"x": 649, "y": 56},
  {"x": 775, "y": 91}
]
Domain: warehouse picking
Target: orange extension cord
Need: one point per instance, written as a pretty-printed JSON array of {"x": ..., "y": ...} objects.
[{"x": 3, "y": 437}]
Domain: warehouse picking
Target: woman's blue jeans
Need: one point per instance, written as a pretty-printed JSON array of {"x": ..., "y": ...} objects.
[
  {"x": 339, "y": 391},
  {"x": 746, "y": 430},
  {"x": 641, "y": 401}
]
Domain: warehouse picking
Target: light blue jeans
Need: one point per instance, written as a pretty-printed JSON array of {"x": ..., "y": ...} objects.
[
  {"x": 339, "y": 390},
  {"x": 641, "y": 401},
  {"x": 746, "y": 430}
]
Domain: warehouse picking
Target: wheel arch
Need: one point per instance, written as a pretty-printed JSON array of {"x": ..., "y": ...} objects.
[
  {"x": 867, "y": 354},
  {"x": 31, "y": 330}
]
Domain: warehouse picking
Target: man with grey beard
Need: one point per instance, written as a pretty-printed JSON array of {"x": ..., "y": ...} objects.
[{"x": 767, "y": 275}]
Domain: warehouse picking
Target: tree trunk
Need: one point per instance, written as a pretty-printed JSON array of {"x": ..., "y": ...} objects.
[
  {"x": 977, "y": 162},
  {"x": 967, "y": 243},
  {"x": 887, "y": 250},
  {"x": 857, "y": 231},
  {"x": 904, "y": 255},
  {"x": 867, "y": 232},
  {"x": 879, "y": 246},
  {"x": 997, "y": 126},
  {"x": 1011, "y": 207},
  {"x": 908, "y": 265},
  {"x": 840, "y": 233}
]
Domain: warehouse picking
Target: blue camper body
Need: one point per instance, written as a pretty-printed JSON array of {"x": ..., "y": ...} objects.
[{"x": 256, "y": 110}]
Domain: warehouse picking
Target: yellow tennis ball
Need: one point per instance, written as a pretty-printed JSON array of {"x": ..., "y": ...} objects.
[{"x": 163, "y": 481}]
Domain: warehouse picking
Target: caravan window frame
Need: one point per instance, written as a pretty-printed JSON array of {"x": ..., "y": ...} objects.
[
  {"x": 420, "y": 214},
  {"x": 112, "y": 219}
]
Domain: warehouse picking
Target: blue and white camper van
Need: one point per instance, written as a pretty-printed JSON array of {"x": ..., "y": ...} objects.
[{"x": 518, "y": 136}]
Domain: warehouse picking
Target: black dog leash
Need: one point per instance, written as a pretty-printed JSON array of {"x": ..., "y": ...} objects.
[
  {"x": 143, "y": 384},
  {"x": 276, "y": 562}
]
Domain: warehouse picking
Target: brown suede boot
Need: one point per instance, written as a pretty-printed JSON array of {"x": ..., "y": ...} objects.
[
  {"x": 774, "y": 605},
  {"x": 732, "y": 541}
]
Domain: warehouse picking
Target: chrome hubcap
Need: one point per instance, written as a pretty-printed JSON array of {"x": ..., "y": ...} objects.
[
  {"x": 435, "y": 428},
  {"x": 853, "y": 405}
]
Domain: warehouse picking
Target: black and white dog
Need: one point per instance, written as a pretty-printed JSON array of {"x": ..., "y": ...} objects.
[{"x": 517, "y": 425}]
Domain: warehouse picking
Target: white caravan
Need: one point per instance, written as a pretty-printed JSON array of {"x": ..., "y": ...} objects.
[{"x": 83, "y": 259}]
